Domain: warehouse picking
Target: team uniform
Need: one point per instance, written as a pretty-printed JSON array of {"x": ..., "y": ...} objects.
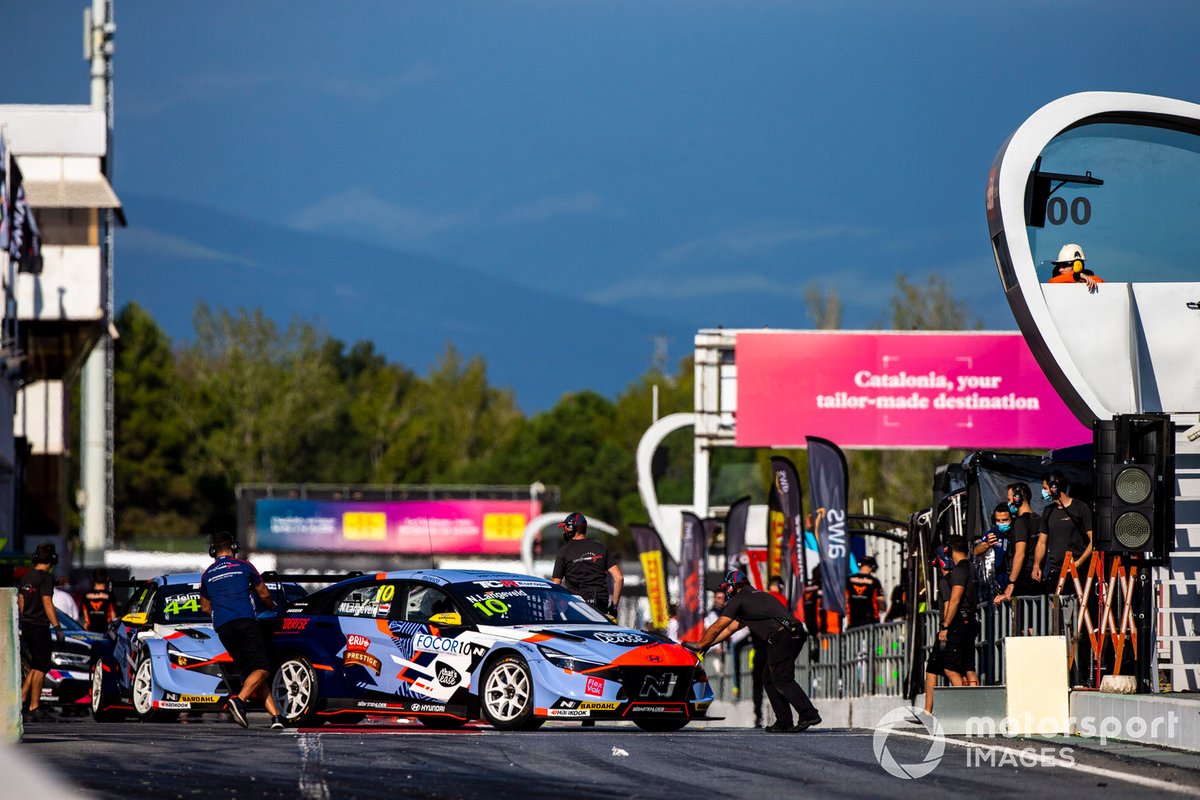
[
  {"x": 1066, "y": 530},
  {"x": 96, "y": 606},
  {"x": 582, "y": 566},
  {"x": 957, "y": 654},
  {"x": 228, "y": 584},
  {"x": 35, "y": 624},
  {"x": 1025, "y": 529},
  {"x": 769, "y": 620},
  {"x": 864, "y": 595}
]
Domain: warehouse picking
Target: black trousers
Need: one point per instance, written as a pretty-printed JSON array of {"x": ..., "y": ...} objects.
[
  {"x": 758, "y": 667},
  {"x": 782, "y": 690}
]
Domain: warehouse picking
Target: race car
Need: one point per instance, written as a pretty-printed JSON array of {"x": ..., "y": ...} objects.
[
  {"x": 69, "y": 681},
  {"x": 162, "y": 655},
  {"x": 451, "y": 646}
]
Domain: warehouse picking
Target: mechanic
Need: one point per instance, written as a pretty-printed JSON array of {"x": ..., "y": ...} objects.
[
  {"x": 227, "y": 590},
  {"x": 1066, "y": 528},
  {"x": 864, "y": 595},
  {"x": 769, "y": 619},
  {"x": 35, "y": 606},
  {"x": 584, "y": 566},
  {"x": 1024, "y": 540},
  {"x": 98, "y": 608},
  {"x": 953, "y": 655}
]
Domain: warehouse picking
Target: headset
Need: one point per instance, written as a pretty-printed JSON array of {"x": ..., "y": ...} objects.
[
  {"x": 232, "y": 545},
  {"x": 45, "y": 554},
  {"x": 1018, "y": 490},
  {"x": 1056, "y": 485}
]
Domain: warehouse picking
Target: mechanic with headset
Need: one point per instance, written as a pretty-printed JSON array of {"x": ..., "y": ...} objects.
[
  {"x": 1069, "y": 268},
  {"x": 953, "y": 654},
  {"x": 1023, "y": 542},
  {"x": 864, "y": 595},
  {"x": 35, "y": 606},
  {"x": 1066, "y": 527},
  {"x": 770, "y": 619},
  {"x": 98, "y": 609},
  {"x": 227, "y": 590},
  {"x": 584, "y": 566}
]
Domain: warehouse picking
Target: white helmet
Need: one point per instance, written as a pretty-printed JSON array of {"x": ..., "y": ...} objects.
[{"x": 1069, "y": 253}]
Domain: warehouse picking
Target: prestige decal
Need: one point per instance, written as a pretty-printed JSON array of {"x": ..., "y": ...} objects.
[{"x": 356, "y": 653}]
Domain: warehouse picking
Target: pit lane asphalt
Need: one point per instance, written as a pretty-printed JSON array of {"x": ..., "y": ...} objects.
[{"x": 215, "y": 759}]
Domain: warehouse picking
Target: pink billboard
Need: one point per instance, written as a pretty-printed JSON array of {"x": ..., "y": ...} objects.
[{"x": 897, "y": 390}]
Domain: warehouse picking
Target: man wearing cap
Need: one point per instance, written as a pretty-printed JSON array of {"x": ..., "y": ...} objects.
[
  {"x": 769, "y": 619},
  {"x": 584, "y": 566},
  {"x": 864, "y": 595}
]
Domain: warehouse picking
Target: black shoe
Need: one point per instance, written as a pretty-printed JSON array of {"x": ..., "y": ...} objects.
[
  {"x": 237, "y": 710},
  {"x": 37, "y": 715},
  {"x": 758, "y": 722},
  {"x": 805, "y": 724},
  {"x": 277, "y": 723},
  {"x": 777, "y": 727}
]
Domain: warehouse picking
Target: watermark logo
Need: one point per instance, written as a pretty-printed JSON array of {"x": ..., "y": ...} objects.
[{"x": 909, "y": 718}]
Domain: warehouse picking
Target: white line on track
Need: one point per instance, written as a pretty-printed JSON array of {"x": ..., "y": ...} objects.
[
  {"x": 1058, "y": 763},
  {"x": 312, "y": 780}
]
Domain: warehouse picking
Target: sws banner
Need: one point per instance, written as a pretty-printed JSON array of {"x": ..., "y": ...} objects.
[
  {"x": 650, "y": 553},
  {"x": 828, "y": 483},
  {"x": 792, "y": 565},
  {"x": 691, "y": 579}
]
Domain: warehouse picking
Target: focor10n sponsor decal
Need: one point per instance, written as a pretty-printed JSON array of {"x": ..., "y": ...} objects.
[
  {"x": 356, "y": 653},
  {"x": 437, "y": 644}
]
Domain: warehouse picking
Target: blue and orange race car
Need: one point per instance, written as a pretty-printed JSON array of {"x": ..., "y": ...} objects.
[{"x": 450, "y": 646}]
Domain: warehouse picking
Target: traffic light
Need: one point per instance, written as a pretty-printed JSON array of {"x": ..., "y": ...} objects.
[{"x": 1133, "y": 480}]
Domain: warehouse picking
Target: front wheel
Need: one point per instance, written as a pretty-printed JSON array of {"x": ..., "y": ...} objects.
[
  {"x": 143, "y": 695},
  {"x": 295, "y": 691},
  {"x": 507, "y": 698},
  {"x": 100, "y": 710},
  {"x": 660, "y": 725}
]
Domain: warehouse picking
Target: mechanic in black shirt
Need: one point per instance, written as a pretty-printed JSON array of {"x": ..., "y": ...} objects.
[
  {"x": 770, "y": 619},
  {"x": 584, "y": 567},
  {"x": 1023, "y": 543},
  {"x": 35, "y": 607},
  {"x": 98, "y": 608},
  {"x": 864, "y": 595},
  {"x": 953, "y": 655},
  {"x": 1067, "y": 527}
]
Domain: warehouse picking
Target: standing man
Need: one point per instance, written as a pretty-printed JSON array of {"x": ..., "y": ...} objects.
[
  {"x": 769, "y": 619},
  {"x": 98, "y": 608},
  {"x": 1067, "y": 527},
  {"x": 953, "y": 654},
  {"x": 35, "y": 606},
  {"x": 584, "y": 567},
  {"x": 227, "y": 590},
  {"x": 1023, "y": 544},
  {"x": 864, "y": 595}
]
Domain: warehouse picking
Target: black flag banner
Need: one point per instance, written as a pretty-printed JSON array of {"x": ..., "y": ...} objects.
[
  {"x": 828, "y": 482},
  {"x": 692, "y": 554},
  {"x": 792, "y": 566}
]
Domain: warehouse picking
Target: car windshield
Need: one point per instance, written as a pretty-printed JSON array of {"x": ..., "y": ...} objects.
[
  {"x": 523, "y": 602},
  {"x": 180, "y": 605}
]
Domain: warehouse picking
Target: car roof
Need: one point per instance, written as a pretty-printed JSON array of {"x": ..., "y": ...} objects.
[
  {"x": 449, "y": 576},
  {"x": 179, "y": 577}
]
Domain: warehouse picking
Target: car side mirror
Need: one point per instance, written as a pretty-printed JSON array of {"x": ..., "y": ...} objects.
[
  {"x": 447, "y": 618},
  {"x": 136, "y": 618}
]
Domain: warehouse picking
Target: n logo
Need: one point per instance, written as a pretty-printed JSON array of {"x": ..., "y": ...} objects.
[{"x": 659, "y": 685}]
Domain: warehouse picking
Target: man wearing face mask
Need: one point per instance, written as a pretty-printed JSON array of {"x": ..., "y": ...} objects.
[
  {"x": 990, "y": 555},
  {"x": 1023, "y": 543},
  {"x": 1066, "y": 527}
]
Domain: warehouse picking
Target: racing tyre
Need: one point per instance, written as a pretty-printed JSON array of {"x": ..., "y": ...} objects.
[
  {"x": 660, "y": 725},
  {"x": 439, "y": 723},
  {"x": 100, "y": 701},
  {"x": 295, "y": 691},
  {"x": 507, "y": 696},
  {"x": 143, "y": 695}
]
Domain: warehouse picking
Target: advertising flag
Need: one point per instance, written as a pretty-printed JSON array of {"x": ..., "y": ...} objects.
[
  {"x": 735, "y": 535},
  {"x": 650, "y": 552},
  {"x": 774, "y": 532},
  {"x": 792, "y": 567},
  {"x": 691, "y": 579},
  {"x": 828, "y": 482}
]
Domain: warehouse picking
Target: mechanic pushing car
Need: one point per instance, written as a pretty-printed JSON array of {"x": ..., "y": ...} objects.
[
  {"x": 768, "y": 619},
  {"x": 227, "y": 590},
  {"x": 584, "y": 566}
]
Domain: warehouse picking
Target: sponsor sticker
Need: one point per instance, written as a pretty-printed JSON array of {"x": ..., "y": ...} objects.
[
  {"x": 373, "y": 704},
  {"x": 595, "y": 686},
  {"x": 200, "y": 698},
  {"x": 424, "y": 686},
  {"x": 356, "y": 653},
  {"x": 295, "y": 623},
  {"x": 436, "y": 644},
  {"x": 592, "y": 705},
  {"x": 511, "y": 584},
  {"x": 622, "y": 637},
  {"x": 448, "y": 676},
  {"x": 567, "y": 712},
  {"x": 426, "y": 708},
  {"x": 644, "y": 708},
  {"x": 170, "y": 704}
]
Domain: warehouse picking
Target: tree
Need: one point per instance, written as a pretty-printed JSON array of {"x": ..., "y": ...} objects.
[
  {"x": 824, "y": 307},
  {"x": 932, "y": 307}
]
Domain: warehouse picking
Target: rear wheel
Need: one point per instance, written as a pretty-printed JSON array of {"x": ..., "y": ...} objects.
[
  {"x": 143, "y": 695},
  {"x": 100, "y": 701},
  {"x": 660, "y": 725},
  {"x": 507, "y": 697},
  {"x": 295, "y": 691}
]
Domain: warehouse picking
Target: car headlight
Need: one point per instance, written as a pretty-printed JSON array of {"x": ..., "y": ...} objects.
[
  {"x": 183, "y": 660},
  {"x": 564, "y": 661},
  {"x": 69, "y": 659}
]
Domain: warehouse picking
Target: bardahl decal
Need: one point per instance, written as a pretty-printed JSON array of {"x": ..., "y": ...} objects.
[
  {"x": 592, "y": 705},
  {"x": 200, "y": 698}
]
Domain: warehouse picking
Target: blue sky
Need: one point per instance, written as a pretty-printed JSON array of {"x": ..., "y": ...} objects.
[{"x": 695, "y": 160}]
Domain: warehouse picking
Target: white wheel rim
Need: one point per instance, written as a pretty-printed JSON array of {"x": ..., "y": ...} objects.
[
  {"x": 507, "y": 692},
  {"x": 292, "y": 689},
  {"x": 97, "y": 686},
  {"x": 143, "y": 689}
]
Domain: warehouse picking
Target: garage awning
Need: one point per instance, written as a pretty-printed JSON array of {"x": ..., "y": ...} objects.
[{"x": 92, "y": 193}]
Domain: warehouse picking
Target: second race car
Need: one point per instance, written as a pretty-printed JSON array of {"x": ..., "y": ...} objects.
[{"x": 450, "y": 646}]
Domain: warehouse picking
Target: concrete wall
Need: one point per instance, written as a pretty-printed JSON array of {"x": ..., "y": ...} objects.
[{"x": 10, "y": 668}]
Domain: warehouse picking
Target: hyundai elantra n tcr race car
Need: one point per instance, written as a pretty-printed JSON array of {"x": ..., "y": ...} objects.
[
  {"x": 449, "y": 646},
  {"x": 162, "y": 655}
]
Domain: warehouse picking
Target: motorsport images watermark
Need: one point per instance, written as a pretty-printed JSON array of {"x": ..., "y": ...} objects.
[{"x": 913, "y": 720}]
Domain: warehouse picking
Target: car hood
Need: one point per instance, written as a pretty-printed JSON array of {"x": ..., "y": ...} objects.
[
  {"x": 603, "y": 643},
  {"x": 197, "y": 639}
]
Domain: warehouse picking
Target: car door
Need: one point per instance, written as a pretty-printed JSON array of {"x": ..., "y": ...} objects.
[
  {"x": 439, "y": 658},
  {"x": 366, "y": 645},
  {"x": 127, "y": 646}
]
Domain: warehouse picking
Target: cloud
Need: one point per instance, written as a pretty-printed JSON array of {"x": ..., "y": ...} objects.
[
  {"x": 757, "y": 238},
  {"x": 375, "y": 89},
  {"x": 548, "y": 207},
  {"x": 166, "y": 245},
  {"x": 362, "y": 209},
  {"x": 693, "y": 286}
]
